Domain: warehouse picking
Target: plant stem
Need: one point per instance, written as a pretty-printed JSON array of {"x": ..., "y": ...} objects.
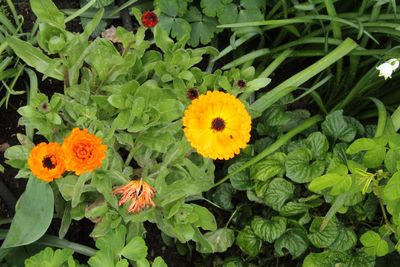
[
  {"x": 275, "y": 146},
  {"x": 387, "y": 222}
]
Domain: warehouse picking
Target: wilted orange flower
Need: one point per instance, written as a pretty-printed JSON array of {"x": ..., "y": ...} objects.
[
  {"x": 46, "y": 161},
  {"x": 139, "y": 193},
  {"x": 83, "y": 151}
]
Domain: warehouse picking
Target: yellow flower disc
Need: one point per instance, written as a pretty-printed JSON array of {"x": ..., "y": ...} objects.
[{"x": 217, "y": 125}]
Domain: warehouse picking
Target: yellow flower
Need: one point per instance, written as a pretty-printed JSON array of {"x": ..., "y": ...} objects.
[
  {"x": 46, "y": 161},
  {"x": 139, "y": 193},
  {"x": 217, "y": 125}
]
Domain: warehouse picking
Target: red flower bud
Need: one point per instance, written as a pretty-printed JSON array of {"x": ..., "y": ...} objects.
[{"x": 149, "y": 19}]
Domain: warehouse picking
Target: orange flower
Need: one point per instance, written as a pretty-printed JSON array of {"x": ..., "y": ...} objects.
[
  {"x": 139, "y": 193},
  {"x": 83, "y": 151},
  {"x": 46, "y": 161}
]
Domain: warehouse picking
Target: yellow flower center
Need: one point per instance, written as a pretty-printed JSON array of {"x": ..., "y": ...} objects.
[{"x": 218, "y": 124}]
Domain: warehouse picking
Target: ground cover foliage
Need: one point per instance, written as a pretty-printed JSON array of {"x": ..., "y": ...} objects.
[{"x": 318, "y": 183}]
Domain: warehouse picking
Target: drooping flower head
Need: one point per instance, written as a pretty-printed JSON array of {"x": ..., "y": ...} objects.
[
  {"x": 83, "y": 151},
  {"x": 217, "y": 125},
  {"x": 387, "y": 68},
  {"x": 149, "y": 19},
  {"x": 139, "y": 193},
  {"x": 46, "y": 161}
]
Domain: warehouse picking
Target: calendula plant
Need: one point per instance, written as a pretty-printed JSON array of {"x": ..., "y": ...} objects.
[
  {"x": 130, "y": 138},
  {"x": 115, "y": 135}
]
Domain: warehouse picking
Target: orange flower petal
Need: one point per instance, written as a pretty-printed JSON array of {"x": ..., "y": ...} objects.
[
  {"x": 139, "y": 193},
  {"x": 83, "y": 151},
  {"x": 47, "y": 161}
]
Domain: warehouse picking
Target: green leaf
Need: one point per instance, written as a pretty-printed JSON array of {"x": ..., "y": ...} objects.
[
  {"x": 203, "y": 28},
  {"x": 172, "y": 8},
  {"x": 269, "y": 230},
  {"x": 241, "y": 180},
  {"x": 248, "y": 242},
  {"x": 228, "y": 14},
  {"x": 278, "y": 192},
  {"x": 36, "y": 59},
  {"x": 391, "y": 191},
  {"x": 294, "y": 208},
  {"x": 345, "y": 240},
  {"x": 159, "y": 262},
  {"x": 135, "y": 250},
  {"x": 206, "y": 218},
  {"x": 374, "y": 245},
  {"x": 338, "y": 182},
  {"x": 78, "y": 188},
  {"x": 223, "y": 196},
  {"x": 35, "y": 205},
  {"x": 47, "y": 11},
  {"x": 294, "y": 240},
  {"x": 318, "y": 144},
  {"x": 373, "y": 158},
  {"x": 213, "y": 7},
  {"x": 117, "y": 101},
  {"x": 177, "y": 27},
  {"x": 326, "y": 259},
  {"x": 170, "y": 110},
  {"x": 361, "y": 144},
  {"x": 220, "y": 240},
  {"x": 49, "y": 257},
  {"x": 324, "y": 238},
  {"x": 337, "y": 127},
  {"x": 391, "y": 159},
  {"x": 300, "y": 168},
  {"x": 157, "y": 140},
  {"x": 269, "y": 168}
]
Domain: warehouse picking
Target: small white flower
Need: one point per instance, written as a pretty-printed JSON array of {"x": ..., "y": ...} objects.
[{"x": 386, "y": 69}]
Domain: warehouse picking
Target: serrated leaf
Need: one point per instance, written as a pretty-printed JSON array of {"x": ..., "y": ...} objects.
[
  {"x": 324, "y": 238},
  {"x": 241, "y": 180},
  {"x": 278, "y": 192},
  {"x": 223, "y": 196},
  {"x": 269, "y": 168},
  {"x": 248, "y": 242},
  {"x": 49, "y": 257},
  {"x": 293, "y": 240},
  {"x": 326, "y": 259},
  {"x": 203, "y": 28},
  {"x": 300, "y": 168},
  {"x": 336, "y": 126},
  {"x": 345, "y": 240},
  {"x": 228, "y": 15},
  {"x": 269, "y": 230},
  {"x": 212, "y": 7},
  {"x": 318, "y": 144}
]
